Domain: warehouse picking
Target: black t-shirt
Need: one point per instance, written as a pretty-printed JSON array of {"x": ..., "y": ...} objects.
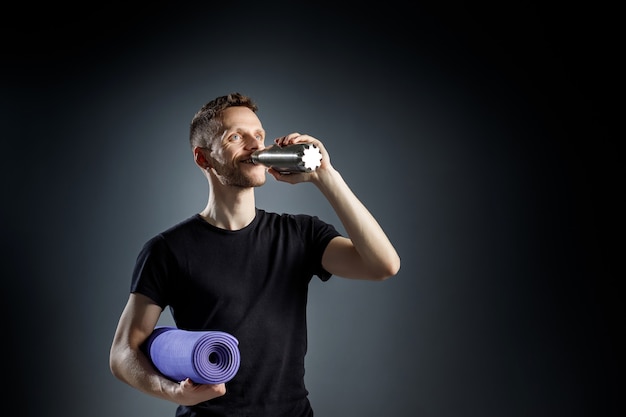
[{"x": 251, "y": 283}]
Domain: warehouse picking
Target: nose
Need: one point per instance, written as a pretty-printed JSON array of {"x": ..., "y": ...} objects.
[{"x": 253, "y": 143}]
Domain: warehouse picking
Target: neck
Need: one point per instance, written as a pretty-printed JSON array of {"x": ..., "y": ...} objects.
[{"x": 231, "y": 208}]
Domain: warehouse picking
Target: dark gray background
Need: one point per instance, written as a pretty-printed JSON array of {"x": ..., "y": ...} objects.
[{"x": 476, "y": 136}]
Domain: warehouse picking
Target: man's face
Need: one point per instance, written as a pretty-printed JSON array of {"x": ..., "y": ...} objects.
[{"x": 242, "y": 135}]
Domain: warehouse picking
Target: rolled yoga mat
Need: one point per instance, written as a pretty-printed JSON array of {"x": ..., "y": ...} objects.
[{"x": 206, "y": 357}]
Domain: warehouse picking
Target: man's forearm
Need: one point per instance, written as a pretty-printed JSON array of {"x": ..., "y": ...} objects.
[{"x": 366, "y": 234}]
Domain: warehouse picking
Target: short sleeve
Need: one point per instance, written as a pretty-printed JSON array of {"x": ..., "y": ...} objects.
[{"x": 154, "y": 267}]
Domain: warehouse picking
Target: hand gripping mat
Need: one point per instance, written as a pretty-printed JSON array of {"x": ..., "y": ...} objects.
[{"x": 206, "y": 357}]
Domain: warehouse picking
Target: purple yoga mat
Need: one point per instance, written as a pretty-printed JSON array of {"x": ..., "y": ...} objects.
[{"x": 206, "y": 357}]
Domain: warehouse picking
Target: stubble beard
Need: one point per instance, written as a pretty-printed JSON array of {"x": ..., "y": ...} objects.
[{"x": 235, "y": 177}]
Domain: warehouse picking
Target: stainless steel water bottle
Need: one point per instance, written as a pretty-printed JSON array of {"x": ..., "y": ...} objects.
[{"x": 296, "y": 158}]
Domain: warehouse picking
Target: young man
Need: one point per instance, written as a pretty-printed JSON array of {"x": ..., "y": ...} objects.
[{"x": 236, "y": 268}]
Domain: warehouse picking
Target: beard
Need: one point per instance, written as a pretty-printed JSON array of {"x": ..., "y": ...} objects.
[{"x": 236, "y": 177}]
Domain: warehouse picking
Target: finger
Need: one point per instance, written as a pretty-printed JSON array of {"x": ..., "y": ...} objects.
[{"x": 287, "y": 139}]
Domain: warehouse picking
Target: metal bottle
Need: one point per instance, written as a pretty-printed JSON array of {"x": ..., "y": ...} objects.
[{"x": 296, "y": 158}]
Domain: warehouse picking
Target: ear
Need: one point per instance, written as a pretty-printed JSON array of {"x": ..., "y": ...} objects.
[{"x": 201, "y": 157}]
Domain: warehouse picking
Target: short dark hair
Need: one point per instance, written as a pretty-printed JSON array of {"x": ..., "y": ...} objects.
[{"x": 207, "y": 122}]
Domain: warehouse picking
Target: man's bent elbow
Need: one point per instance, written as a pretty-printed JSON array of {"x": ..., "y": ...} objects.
[
  {"x": 113, "y": 366},
  {"x": 116, "y": 363},
  {"x": 387, "y": 270}
]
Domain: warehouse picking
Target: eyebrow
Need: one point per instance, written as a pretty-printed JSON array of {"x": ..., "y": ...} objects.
[{"x": 243, "y": 130}]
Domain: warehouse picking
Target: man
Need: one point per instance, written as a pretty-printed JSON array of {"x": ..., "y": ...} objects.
[{"x": 239, "y": 269}]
